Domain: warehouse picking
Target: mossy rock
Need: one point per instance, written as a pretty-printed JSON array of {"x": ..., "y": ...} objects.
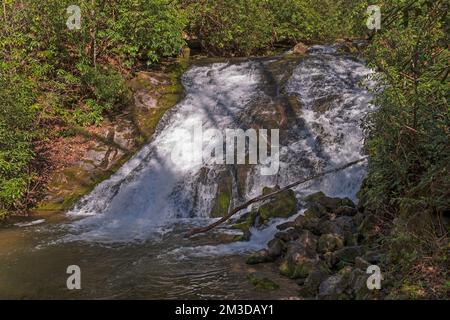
[
  {"x": 331, "y": 204},
  {"x": 222, "y": 205},
  {"x": 262, "y": 256},
  {"x": 262, "y": 282},
  {"x": 283, "y": 205},
  {"x": 329, "y": 243},
  {"x": 246, "y": 221},
  {"x": 299, "y": 270}
]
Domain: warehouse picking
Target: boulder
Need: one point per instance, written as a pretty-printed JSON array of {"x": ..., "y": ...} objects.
[
  {"x": 223, "y": 196},
  {"x": 310, "y": 285},
  {"x": 246, "y": 221},
  {"x": 342, "y": 226},
  {"x": 332, "y": 288},
  {"x": 276, "y": 248},
  {"x": 337, "y": 287},
  {"x": 261, "y": 282},
  {"x": 330, "y": 242},
  {"x": 309, "y": 241},
  {"x": 286, "y": 225},
  {"x": 308, "y": 222},
  {"x": 329, "y": 203},
  {"x": 358, "y": 282},
  {"x": 301, "y": 257},
  {"x": 348, "y": 254},
  {"x": 288, "y": 235},
  {"x": 283, "y": 205},
  {"x": 315, "y": 210},
  {"x": 261, "y": 256}
]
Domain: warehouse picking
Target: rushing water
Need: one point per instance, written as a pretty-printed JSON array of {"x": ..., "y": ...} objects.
[{"x": 127, "y": 235}]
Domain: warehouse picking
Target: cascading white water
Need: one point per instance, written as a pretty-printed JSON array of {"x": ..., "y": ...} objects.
[{"x": 151, "y": 192}]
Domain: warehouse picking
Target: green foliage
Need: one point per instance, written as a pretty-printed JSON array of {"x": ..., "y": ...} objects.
[
  {"x": 408, "y": 137},
  {"x": 50, "y": 74},
  {"x": 230, "y": 27},
  {"x": 408, "y": 141},
  {"x": 16, "y": 121},
  {"x": 244, "y": 27},
  {"x": 313, "y": 20}
]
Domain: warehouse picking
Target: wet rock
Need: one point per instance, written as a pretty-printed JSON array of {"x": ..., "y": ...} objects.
[
  {"x": 96, "y": 156},
  {"x": 316, "y": 210},
  {"x": 276, "y": 248},
  {"x": 261, "y": 282},
  {"x": 326, "y": 103},
  {"x": 246, "y": 221},
  {"x": 331, "y": 288},
  {"x": 328, "y": 202},
  {"x": 348, "y": 254},
  {"x": 288, "y": 235},
  {"x": 358, "y": 282},
  {"x": 245, "y": 236},
  {"x": 347, "y": 202},
  {"x": 286, "y": 225},
  {"x": 346, "y": 224},
  {"x": 309, "y": 221},
  {"x": 301, "y": 257},
  {"x": 283, "y": 205},
  {"x": 223, "y": 196},
  {"x": 301, "y": 267},
  {"x": 330, "y": 242},
  {"x": 261, "y": 256},
  {"x": 342, "y": 226},
  {"x": 327, "y": 227},
  {"x": 300, "y": 48},
  {"x": 337, "y": 287},
  {"x": 300, "y": 261},
  {"x": 310, "y": 285}
]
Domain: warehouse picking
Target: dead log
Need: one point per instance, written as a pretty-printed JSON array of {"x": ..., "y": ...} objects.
[{"x": 269, "y": 196}]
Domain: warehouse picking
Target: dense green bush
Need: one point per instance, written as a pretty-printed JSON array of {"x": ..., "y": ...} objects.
[
  {"x": 243, "y": 27},
  {"x": 408, "y": 137},
  {"x": 50, "y": 74},
  {"x": 230, "y": 27},
  {"x": 16, "y": 134}
]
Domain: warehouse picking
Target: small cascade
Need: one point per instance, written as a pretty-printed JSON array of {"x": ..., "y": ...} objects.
[{"x": 317, "y": 102}]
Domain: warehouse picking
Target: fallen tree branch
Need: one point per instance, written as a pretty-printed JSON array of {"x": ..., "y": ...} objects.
[{"x": 268, "y": 196}]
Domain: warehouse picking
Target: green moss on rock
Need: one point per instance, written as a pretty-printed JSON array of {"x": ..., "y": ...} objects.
[
  {"x": 262, "y": 282},
  {"x": 283, "y": 205}
]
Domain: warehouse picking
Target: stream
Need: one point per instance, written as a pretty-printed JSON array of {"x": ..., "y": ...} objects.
[{"x": 127, "y": 234}]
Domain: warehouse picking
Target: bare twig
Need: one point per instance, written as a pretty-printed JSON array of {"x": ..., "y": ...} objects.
[{"x": 268, "y": 196}]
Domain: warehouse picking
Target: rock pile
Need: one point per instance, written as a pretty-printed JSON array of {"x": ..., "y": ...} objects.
[{"x": 325, "y": 250}]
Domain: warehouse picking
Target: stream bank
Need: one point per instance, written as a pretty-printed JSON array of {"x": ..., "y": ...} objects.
[{"x": 82, "y": 157}]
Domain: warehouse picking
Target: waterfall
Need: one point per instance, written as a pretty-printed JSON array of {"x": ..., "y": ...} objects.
[{"x": 318, "y": 102}]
